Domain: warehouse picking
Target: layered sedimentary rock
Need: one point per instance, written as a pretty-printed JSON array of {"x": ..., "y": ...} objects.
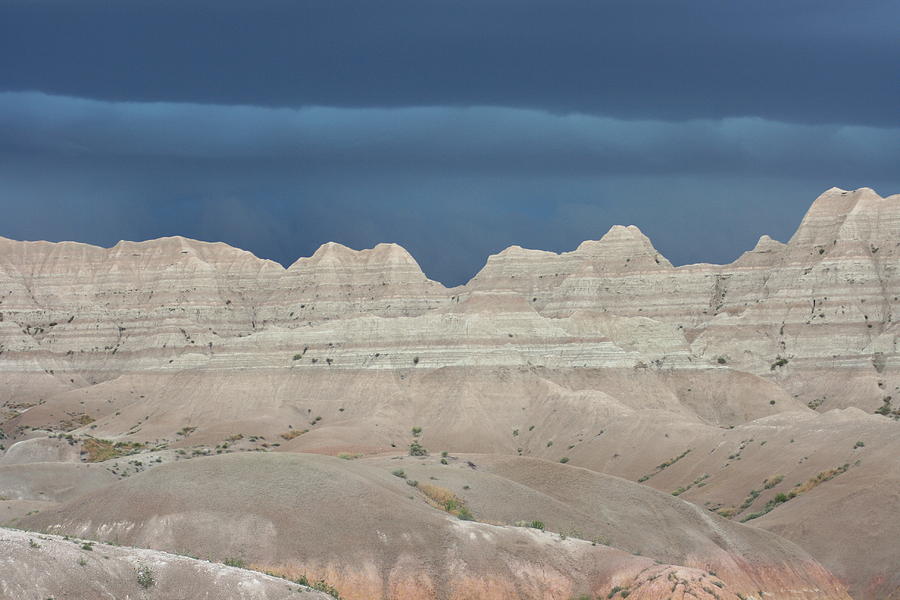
[
  {"x": 822, "y": 303},
  {"x": 337, "y": 282}
]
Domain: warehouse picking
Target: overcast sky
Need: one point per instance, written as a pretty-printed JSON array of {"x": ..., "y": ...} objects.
[{"x": 452, "y": 127}]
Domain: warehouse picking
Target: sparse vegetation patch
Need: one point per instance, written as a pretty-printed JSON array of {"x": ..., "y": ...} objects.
[
  {"x": 780, "y": 498},
  {"x": 446, "y": 500},
  {"x": 697, "y": 482},
  {"x": 97, "y": 450},
  {"x": 664, "y": 466}
]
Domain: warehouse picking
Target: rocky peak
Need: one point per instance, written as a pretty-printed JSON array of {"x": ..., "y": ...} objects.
[
  {"x": 767, "y": 244},
  {"x": 338, "y": 256},
  {"x": 849, "y": 216},
  {"x": 620, "y": 243}
]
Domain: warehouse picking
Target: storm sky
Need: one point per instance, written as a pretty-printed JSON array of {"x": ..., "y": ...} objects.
[{"x": 452, "y": 127}]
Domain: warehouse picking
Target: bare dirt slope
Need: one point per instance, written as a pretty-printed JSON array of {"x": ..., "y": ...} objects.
[
  {"x": 362, "y": 526},
  {"x": 841, "y": 528}
]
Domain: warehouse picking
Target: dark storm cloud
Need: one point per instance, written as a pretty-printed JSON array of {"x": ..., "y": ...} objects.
[
  {"x": 809, "y": 61},
  {"x": 487, "y": 140}
]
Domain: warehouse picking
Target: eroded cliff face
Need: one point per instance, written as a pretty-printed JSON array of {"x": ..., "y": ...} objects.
[
  {"x": 815, "y": 314},
  {"x": 699, "y": 377},
  {"x": 800, "y": 312}
]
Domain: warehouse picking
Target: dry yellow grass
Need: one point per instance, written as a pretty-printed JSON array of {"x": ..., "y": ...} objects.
[
  {"x": 438, "y": 494},
  {"x": 821, "y": 478},
  {"x": 289, "y": 435},
  {"x": 75, "y": 422},
  {"x": 773, "y": 481},
  {"x": 100, "y": 450},
  {"x": 442, "y": 498}
]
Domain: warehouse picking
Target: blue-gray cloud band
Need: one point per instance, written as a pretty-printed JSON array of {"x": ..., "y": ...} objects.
[{"x": 444, "y": 139}]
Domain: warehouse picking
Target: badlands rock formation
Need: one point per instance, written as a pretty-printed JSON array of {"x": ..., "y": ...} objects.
[{"x": 764, "y": 392}]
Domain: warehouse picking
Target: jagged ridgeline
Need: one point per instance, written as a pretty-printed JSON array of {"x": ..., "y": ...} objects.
[{"x": 674, "y": 430}]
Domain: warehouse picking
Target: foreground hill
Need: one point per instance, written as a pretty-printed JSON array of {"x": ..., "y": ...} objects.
[
  {"x": 371, "y": 530},
  {"x": 49, "y": 566}
]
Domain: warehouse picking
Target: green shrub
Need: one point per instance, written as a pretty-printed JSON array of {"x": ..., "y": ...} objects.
[
  {"x": 779, "y": 362},
  {"x": 417, "y": 449},
  {"x": 145, "y": 577},
  {"x": 319, "y": 586}
]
